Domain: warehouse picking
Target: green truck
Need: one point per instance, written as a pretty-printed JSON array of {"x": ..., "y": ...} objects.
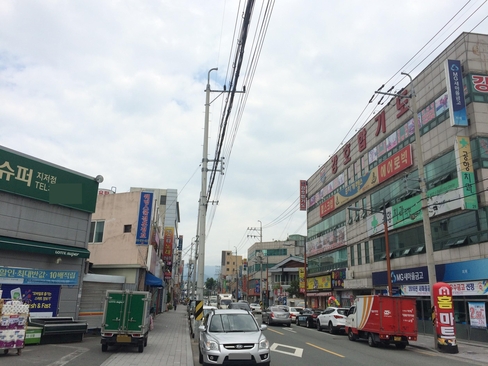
[{"x": 126, "y": 319}]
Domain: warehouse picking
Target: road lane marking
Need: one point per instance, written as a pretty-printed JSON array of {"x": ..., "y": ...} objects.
[
  {"x": 275, "y": 331},
  {"x": 69, "y": 357},
  {"x": 325, "y": 350},
  {"x": 295, "y": 351}
]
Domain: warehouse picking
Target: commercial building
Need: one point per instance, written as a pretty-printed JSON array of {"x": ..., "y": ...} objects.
[
  {"x": 134, "y": 245},
  {"x": 231, "y": 274},
  {"x": 45, "y": 213},
  {"x": 376, "y": 173},
  {"x": 262, "y": 256}
]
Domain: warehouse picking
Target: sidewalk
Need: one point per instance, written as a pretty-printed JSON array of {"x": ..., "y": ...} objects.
[
  {"x": 474, "y": 351},
  {"x": 169, "y": 343}
]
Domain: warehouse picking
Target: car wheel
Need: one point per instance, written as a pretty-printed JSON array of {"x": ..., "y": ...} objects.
[
  {"x": 319, "y": 328},
  {"x": 351, "y": 335},
  {"x": 371, "y": 340},
  {"x": 331, "y": 328},
  {"x": 289, "y": 324},
  {"x": 200, "y": 356},
  {"x": 104, "y": 348}
]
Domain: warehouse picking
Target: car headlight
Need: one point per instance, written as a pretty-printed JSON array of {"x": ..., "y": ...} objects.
[
  {"x": 263, "y": 343},
  {"x": 211, "y": 345}
]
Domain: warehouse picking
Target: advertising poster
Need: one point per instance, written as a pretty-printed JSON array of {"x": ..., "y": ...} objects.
[
  {"x": 42, "y": 299},
  {"x": 477, "y": 314}
]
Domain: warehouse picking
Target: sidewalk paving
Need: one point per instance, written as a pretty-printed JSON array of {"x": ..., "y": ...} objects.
[
  {"x": 169, "y": 343},
  {"x": 476, "y": 352}
]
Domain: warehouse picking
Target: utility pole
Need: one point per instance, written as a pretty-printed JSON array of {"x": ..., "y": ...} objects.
[
  {"x": 202, "y": 210},
  {"x": 429, "y": 248}
]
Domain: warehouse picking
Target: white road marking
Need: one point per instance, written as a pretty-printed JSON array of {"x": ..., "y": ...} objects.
[
  {"x": 293, "y": 351},
  {"x": 69, "y": 357}
]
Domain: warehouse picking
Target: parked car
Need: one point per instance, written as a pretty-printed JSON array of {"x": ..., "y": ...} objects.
[
  {"x": 256, "y": 308},
  {"x": 239, "y": 305},
  {"x": 294, "y": 312},
  {"x": 232, "y": 334},
  {"x": 276, "y": 315},
  {"x": 308, "y": 317},
  {"x": 333, "y": 319}
]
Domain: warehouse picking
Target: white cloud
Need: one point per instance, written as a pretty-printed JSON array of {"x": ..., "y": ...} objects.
[{"x": 117, "y": 88}]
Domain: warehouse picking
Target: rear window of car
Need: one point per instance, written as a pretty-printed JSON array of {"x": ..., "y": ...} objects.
[
  {"x": 239, "y": 305},
  {"x": 278, "y": 309},
  {"x": 342, "y": 311}
]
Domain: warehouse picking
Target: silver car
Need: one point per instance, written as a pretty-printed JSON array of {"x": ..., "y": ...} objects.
[
  {"x": 277, "y": 315},
  {"x": 232, "y": 336}
]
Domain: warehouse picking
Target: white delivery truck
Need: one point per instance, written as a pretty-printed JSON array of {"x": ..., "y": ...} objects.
[{"x": 224, "y": 300}]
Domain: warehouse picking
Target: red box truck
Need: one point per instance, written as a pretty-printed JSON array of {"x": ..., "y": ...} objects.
[{"x": 383, "y": 320}]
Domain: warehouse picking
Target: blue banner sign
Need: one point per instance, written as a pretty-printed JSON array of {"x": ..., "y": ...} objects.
[
  {"x": 12, "y": 275},
  {"x": 455, "y": 90},
  {"x": 144, "y": 220}
]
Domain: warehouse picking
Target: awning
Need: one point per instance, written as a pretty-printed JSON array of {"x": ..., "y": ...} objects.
[
  {"x": 31, "y": 246},
  {"x": 153, "y": 281}
]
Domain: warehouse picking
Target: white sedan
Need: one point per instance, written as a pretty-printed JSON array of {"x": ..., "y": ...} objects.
[
  {"x": 294, "y": 312},
  {"x": 255, "y": 308}
]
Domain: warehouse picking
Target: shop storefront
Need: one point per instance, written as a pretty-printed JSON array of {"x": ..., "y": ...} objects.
[{"x": 470, "y": 294}]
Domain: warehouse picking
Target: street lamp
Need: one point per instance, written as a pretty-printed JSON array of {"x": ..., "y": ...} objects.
[{"x": 387, "y": 243}]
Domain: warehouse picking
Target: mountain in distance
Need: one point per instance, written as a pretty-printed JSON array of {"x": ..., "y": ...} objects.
[{"x": 209, "y": 272}]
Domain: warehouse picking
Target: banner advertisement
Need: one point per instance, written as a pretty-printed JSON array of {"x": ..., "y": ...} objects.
[
  {"x": 444, "y": 318},
  {"x": 43, "y": 300},
  {"x": 468, "y": 288},
  {"x": 301, "y": 278},
  {"x": 303, "y": 195},
  {"x": 144, "y": 220},
  {"x": 477, "y": 314},
  {"x": 455, "y": 89},
  {"x": 464, "y": 162}
]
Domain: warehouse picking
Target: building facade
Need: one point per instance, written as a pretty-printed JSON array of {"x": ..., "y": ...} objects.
[
  {"x": 134, "y": 235},
  {"x": 45, "y": 213},
  {"x": 231, "y": 274},
  {"x": 262, "y": 256},
  {"x": 376, "y": 173}
]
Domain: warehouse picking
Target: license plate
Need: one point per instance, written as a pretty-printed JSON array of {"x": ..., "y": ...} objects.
[
  {"x": 123, "y": 339},
  {"x": 239, "y": 356},
  {"x": 397, "y": 339}
]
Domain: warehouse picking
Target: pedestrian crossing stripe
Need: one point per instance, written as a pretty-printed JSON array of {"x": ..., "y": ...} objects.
[{"x": 199, "y": 310}]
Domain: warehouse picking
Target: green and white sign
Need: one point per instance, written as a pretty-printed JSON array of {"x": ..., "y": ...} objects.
[{"x": 30, "y": 177}]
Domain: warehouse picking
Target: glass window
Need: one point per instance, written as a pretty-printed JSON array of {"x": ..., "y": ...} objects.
[
  {"x": 96, "y": 231},
  {"x": 360, "y": 259},
  {"x": 352, "y": 256},
  {"x": 366, "y": 252}
]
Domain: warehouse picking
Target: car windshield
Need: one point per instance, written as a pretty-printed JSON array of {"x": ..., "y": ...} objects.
[{"x": 232, "y": 323}]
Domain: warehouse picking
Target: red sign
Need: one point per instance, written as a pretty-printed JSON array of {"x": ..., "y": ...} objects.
[
  {"x": 303, "y": 195},
  {"x": 444, "y": 318},
  {"x": 168, "y": 244},
  {"x": 395, "y": 164},
  {"x": 327, "y": 206}
]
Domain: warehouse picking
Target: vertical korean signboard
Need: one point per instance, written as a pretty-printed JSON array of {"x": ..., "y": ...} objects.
[
  {"x": 444, "y": 318},
  {"x": 455, "y": 90},
  {"x": 303, "y": 195},
  {"x": 464, "y": 162},
  {"x": 168, "y": 246},
  {"x": 144, "y": 219}
]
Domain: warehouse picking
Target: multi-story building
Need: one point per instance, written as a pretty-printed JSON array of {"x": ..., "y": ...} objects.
[
  {"x": 231, "y": 273},
  {"x": 134, "y": 236},
  {"x": 376, "y": 173},
  {"x": 262, "y": 256}
]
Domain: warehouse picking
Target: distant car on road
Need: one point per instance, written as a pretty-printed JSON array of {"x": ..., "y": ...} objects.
[
  {"x": 276, "y": 315},
  {"x": 294, "y": 312},
  {"x": 333, "y": 319},
  {"x": 256, "y": 308},
  {"x": 239, "y": 305},
  {"x": 308, "y": 317}
]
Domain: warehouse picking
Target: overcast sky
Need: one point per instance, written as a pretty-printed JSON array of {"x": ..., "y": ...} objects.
[{"x": 117, "y": 88}]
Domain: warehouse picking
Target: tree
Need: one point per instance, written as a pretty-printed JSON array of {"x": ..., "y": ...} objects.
[
  {"x": 294, "y": 289},
  {"x": 210, "y": 285}
]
